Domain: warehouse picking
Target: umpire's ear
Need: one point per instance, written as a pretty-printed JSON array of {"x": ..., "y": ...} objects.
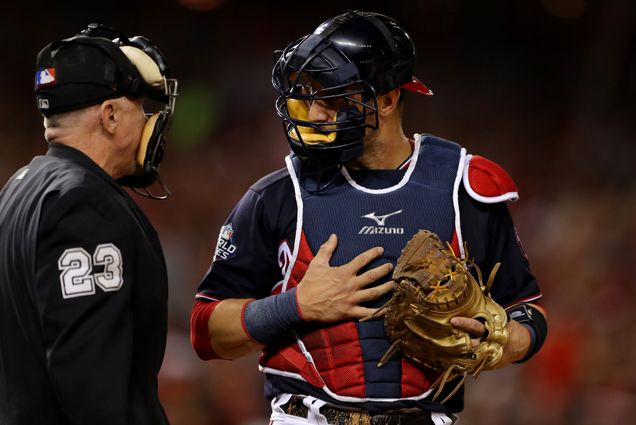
[
  {"x": 114, "y": 112},
  {"x": 109, "y": 116}
]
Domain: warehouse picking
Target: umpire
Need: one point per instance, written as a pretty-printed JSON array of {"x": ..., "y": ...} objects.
[{"x": 83, "y": 283}]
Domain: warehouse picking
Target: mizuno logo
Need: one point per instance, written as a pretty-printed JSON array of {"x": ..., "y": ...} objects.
[
  {"x": 380, "y": 219},
  {"x": 380, "y": 229},
  {"x": 377, "y": 230}
]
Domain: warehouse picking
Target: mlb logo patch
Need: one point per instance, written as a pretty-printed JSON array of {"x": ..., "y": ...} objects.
[{"x": 44, "y": 77}]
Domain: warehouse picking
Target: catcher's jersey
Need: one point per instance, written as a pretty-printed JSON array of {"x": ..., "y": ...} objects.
[
  {"x": 266, "y": 243},
  {"x": 83, "y": 298}
]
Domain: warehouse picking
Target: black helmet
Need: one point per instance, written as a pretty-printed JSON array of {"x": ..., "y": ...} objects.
[
  {"x": 99, "y": 63},
  {"x": 350, "y": 58}
]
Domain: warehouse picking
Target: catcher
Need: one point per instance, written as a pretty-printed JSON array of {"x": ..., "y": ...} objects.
[{"x": 309, "y": 250}]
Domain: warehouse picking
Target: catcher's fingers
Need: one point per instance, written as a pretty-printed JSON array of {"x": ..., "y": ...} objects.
[
  {"x": 374, "y": 274},
  {"x": 474, "y": 327},
  {"x": 326, "y": 250},
  {"x": 364, "y": 313},
  {"x": 376, "y": 292},
  {"x": 363, "y": 259},
  {"x": 379, "y": 312}
]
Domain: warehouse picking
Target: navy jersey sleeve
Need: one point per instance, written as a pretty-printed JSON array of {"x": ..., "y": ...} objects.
[
  {"x": 82, "y": 297},
  {"x": 491, "y": 237},
  {"x": 245, "y": 262}
]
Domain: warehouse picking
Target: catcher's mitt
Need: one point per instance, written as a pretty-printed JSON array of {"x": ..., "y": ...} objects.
[{"x": 433, "y": 286}]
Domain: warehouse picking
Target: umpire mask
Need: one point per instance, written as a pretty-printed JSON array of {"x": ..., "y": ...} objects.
[{"x": 102, "y": 63}]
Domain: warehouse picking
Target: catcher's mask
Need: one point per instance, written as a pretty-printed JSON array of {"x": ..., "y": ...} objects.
[
  {"x": 101, "y": 63},
  {"x": 345, "y": 63}
]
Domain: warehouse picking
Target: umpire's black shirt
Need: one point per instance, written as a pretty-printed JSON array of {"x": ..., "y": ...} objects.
[{"x": 83, "y": 298}]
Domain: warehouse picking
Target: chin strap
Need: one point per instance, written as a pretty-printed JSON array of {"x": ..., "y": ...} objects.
[{"x": 146, "y": 192}]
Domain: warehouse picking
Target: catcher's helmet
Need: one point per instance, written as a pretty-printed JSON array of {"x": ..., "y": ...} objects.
[{"x": 348, "y": 60}]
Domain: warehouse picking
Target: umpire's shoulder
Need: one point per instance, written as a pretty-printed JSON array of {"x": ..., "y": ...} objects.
[
  {"x": 488, "y": 182},
  {"x": 72, "y": 190}
]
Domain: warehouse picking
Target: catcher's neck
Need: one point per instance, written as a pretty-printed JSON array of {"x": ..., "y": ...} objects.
[{"x": 384, "y": 149}]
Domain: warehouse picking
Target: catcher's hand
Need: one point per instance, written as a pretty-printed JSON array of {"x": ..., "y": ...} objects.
[{"x": 432, "y": 287}]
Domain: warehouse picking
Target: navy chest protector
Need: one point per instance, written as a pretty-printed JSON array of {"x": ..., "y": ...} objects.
[{"x": 345, "y": 355}]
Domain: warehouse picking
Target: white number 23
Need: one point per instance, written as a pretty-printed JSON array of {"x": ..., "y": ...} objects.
[{"x": 77, "y": 277}]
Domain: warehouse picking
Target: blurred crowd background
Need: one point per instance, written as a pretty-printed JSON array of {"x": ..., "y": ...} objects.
[{"x": 545, "y": 87}]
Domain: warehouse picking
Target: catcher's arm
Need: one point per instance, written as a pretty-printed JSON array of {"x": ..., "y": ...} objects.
[
  {"x": 519, "y": 344},
  {"x": 325, "y": 294}
]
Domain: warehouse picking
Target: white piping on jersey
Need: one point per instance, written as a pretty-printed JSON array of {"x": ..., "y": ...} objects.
[
  {"x": 528, "y": 299},
  {"x": 299, "y": 220},
  {"x": 305, "y": 352},
  {"x": 510, "y": 196},
  {"x": 342, "y": 397},
  {"x": 279, "y": 283},
  {"x": 201, "y": 296},
  {"x": 271, "y": 371},
  {"x": 405, "y": 177},
  {"x": 458, "y": 222},
  {"x": 363, "y": 399}
]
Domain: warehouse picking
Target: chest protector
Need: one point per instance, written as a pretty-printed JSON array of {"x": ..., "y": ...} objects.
[{"x": 341, "y": 358}]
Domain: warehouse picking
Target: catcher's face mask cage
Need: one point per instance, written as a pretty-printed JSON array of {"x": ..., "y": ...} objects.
[
  {"x": 314, "y": 72},
  {"x": 349, "y": 60},
  {"x": 100, "y": 63}
]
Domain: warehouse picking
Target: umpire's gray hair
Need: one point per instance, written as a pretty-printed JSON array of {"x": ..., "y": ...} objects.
[{"x": 65, "y": 119}]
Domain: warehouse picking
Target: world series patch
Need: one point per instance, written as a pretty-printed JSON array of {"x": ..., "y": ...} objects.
[{"x": 225, "y": 246}]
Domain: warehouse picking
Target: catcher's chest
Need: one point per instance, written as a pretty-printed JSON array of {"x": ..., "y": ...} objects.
[{"x": 364, "y": 220}]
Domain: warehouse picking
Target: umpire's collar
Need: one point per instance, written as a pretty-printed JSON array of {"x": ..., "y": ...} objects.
[{"x": 59, "y": 150}]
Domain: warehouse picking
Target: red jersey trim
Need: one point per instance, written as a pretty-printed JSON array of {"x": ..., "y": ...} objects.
[
  {"x": 199, "y": 334},
  {"x": 531, "y": 298},
  {"x": 243, "y": 322}
]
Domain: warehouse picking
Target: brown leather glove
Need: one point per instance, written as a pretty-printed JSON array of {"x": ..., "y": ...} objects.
[{"x": 432, "y": 287}]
